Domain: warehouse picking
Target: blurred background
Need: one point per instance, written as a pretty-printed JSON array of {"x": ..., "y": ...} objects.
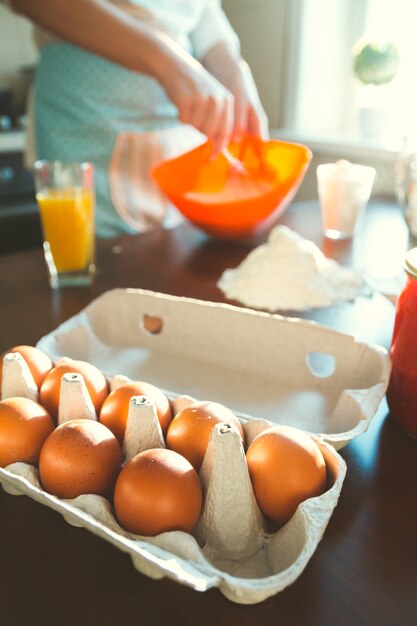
[{"x": 314, "y": 89}]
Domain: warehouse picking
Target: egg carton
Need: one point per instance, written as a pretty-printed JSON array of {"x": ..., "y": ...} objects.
[
  {"x": 231, "y": 547},
  {"x": 282, "y": 370},
  {"x": 164, "y": 340}
]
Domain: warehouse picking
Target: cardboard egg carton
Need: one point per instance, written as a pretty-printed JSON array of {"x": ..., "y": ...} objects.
[
  {"x": 283, "y": 370},
  {"x": 231, "y": 547},
  {"x": 257, "y": 361}
]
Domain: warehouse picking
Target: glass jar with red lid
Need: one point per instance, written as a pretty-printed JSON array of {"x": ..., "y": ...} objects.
[{"x": 402, "y": 388}]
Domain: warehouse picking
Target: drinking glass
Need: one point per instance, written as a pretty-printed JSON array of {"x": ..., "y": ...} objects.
[
  {"x": 406, "y": 184},
  {"x": 65, "y": 196},
  {"x": 344, "y": 189}
]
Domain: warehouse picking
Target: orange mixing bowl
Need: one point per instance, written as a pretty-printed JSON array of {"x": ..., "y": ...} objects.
[{"x": 224, "y": 202}]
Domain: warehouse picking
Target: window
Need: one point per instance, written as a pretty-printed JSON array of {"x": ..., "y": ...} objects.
[
  {"x": 325, "y": 89},
  {"x": 396, "y": 21},
  {"x": 324, "y": 99}
]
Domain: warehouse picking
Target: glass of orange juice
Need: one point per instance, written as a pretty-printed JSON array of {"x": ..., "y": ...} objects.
[{"x": 65, "y": 196}]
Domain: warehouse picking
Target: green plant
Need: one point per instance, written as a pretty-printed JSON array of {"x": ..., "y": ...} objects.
[{"x": 375, "y": 62}]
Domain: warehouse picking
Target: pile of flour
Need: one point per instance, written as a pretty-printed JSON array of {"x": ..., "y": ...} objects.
[{"x": 289, "y": 273}]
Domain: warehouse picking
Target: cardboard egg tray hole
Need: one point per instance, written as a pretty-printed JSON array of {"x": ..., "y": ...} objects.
[{"x": 266, "y": 368}]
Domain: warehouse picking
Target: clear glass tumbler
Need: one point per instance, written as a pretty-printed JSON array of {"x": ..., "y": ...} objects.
[
  {"x": 65, "y": 196},
  {"x": 406, "y": 184},
  {"x": 344, "y": 189}
]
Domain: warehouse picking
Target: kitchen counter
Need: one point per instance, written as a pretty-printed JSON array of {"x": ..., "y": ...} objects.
[
  {"x": 363, "y": 571},
  {"x": 20, "y": 227}
]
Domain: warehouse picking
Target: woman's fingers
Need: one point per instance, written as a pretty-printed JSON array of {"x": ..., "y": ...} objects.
[
  {"x": 240, "y": 125},
  {"x": 212, "y": 115},
  {"x": 249, "y": 115},
  {"x": 219, "y": 124},
  {"x": 257, "y": 123},
  {"x": 202, "y": 102},
  {"x": 220, "y": 110}
]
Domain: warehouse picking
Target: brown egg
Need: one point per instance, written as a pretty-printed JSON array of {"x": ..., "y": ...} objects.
[
  {"x": 189, "y": 432},
  {"x": 38, "y": 362},
  {"x": 114, "y": 411},
  {"x": 80, "y": 456},
  {"x": 24, "y": 427},
  {"x": 93, "y": 378},
  {"x": 157, "y": 491},
  {"x": 286, "y": 466}
]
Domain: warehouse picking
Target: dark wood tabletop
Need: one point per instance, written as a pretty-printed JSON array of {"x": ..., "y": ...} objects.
[{"x": 364, "y": 570}]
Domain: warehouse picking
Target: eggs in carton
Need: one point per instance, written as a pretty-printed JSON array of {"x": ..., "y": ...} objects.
[
  {"x": 36, "y": 360},
  {"x": 231, "y": 547},
  {"x": 17, "y": 379}
]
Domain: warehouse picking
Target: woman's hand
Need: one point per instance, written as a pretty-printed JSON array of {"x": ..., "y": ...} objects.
[
  {"x": 221, "y": 101},
  {"x": 201, "y": 99},
  {"x": 217, "y": 96},
  {"x": 234, "y": 73},
  {"x": 249, "y": 115}
]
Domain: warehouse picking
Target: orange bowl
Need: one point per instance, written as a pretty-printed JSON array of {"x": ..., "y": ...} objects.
[{"x": 222, "y": 201}]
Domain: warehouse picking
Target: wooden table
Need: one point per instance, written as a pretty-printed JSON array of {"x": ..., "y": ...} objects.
[{"x": 365, "y": 568}]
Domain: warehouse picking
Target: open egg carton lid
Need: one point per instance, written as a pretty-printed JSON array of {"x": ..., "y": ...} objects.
[
  {"x": 260, "y": 365},
  {"x": 268, "y": 369}
]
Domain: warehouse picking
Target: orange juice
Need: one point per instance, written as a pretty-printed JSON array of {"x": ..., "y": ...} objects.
[{"x": 67, "y": 217}]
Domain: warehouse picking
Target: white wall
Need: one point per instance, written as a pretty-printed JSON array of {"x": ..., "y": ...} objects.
[
  {"x": 261, "y": 26},
  {"x": 16, "y": 45}
]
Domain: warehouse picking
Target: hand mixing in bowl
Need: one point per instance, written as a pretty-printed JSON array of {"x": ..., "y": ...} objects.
[{"x": 133, "y": 90}]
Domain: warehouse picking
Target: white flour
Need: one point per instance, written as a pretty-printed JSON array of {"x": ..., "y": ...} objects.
[{"x": 289, "y": 273}]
